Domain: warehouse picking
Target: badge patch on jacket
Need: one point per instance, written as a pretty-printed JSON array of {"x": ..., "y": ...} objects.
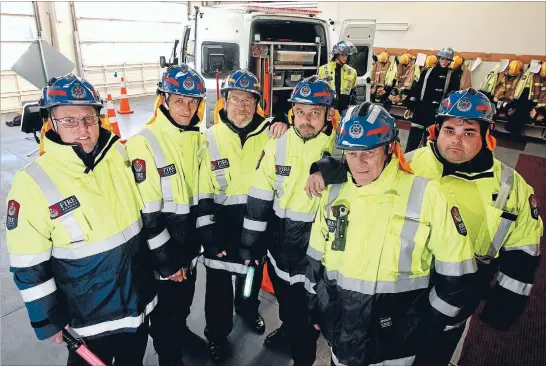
[
  {"x": 283, "y": 170},
  {"x": 13, "y": 214},
  {"x": 139, "y": 170},
  {"x": 534, "y": 206},
  {"x": 63, "y": 207},
  {"x": 167, "y": 171},
  {"x": 458, "y": 220},
  {"x": 219, "y": 164},
  {"x": 260, "y": 159},
  {"x": 331, "y": 225}
]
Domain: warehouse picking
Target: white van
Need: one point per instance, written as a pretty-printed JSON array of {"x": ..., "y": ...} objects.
[{"x": 279, "y": 45}]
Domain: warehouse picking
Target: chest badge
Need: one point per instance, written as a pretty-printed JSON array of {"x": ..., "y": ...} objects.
[
  {"x": 458, "y": 220},
  {"x": 63, "y": 207}
]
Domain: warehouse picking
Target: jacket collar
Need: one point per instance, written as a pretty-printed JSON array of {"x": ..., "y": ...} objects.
[
  {"x": 165, "y": 120},
  {"x": 480, "y": 164},
  {"x": 58, "y": 150}
]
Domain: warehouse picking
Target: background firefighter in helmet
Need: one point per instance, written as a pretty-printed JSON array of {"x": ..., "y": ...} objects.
[
  {"x": 461, "y": 71},
  {"x": 432, "y": 87},
  {"x": 165, "y": 161},
  {"x": 499, "y": 208},
  {"x": 401, "y": 77},
  {"x": 77, "y": 246},
  {"x": 340, "y": 76},
  {"x": 380, "y": 91},
  {"x": 372, "y": 247},
  {"x": 275, "y": 204},
  {"x": 234, "y": 148}
]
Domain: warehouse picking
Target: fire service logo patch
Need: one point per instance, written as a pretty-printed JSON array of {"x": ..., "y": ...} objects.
[
  {"x": 63, "y": 207},
  {"x": 139, "y": 170},
  {"x": 458, "y": 220},
  {"x": 13, "y": 214},
  {"x": 219, "y": 164}
]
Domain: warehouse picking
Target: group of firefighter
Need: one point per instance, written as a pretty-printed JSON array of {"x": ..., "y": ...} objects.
[{"x": 386, "y": 255}]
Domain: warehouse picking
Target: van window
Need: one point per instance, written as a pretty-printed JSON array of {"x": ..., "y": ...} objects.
[
  {"x": 187, "y": 47},
  {"x": 219, "y": 56},
  {"x": 359, "y": 60}
]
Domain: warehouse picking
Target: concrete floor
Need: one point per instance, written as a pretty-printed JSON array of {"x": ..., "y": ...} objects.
[{"x": 19, "y": 346}]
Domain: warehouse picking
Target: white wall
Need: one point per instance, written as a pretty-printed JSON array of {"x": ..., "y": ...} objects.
[{"x": 490, "y": 27}]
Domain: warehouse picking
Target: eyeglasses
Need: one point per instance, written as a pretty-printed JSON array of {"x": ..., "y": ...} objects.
[
  {"x": 73, "y": 122},
  {"x": 237, "y": 102}
]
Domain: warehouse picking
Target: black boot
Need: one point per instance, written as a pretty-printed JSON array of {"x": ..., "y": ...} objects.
[
  {"x": 278, "y": 339},
  {"x": 218, "y": 350},
  {"x": 256, "y": 323},
  {"x": 193, "y": 344}
]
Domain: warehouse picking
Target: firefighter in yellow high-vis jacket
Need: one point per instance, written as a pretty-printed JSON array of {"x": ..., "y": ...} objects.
[{"x": 165, "y": 159}]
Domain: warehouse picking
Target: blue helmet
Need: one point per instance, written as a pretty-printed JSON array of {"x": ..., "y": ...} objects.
[
  {"x": 183, "y": 80},
  {"x": 446, "y": 52},
  {"x": 467, "y": 104},
  {"x": 344, "y": 48},
  {"x": 69, "y": 90},
  {"x": 242, "y": 80},
  {"x": 313, "y": 90},
  {"x": 365, "y": 127}
]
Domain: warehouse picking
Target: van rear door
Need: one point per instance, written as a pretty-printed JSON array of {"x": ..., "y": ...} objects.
[{"x": 361, "y": 32}]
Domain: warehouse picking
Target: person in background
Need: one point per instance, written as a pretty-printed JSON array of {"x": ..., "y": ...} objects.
[
  {"x": 340, "y": 76},
  {"x": 433, "y": 86}
]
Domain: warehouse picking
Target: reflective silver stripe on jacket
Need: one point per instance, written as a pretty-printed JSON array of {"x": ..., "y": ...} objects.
[
  {"x": 517, "y": 287},
  {"x": 54, "y": 196},
  {"x": 378, "y": 287},
  {"x": 39, "y": 291},
  {"x": 160, "y": 162},
  {"x": 214, "y": 153},
  {"x": 411, "y": 224},
  {"x": 225, "y": 266},
  {"x": 283, "y": 275},
  {"x": 87, "y": 249},
  {"x": 442, "y": 306},
  {"x": 121, "y": 149},
  {"x": 506, "y": 184},
  {"x": 446, "y": 85},
  {"x": 286, "y": 213},
  {"x": 280, "y": 159},
  {"x": 332, "y": 196}
]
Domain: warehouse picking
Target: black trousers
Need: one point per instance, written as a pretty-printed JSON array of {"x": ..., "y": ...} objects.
[
  {"x": 416, "y": 134},
  {"x": 168, "y": 319},
  {"x": 127, "y": 349},
  {"x": 219, "y": 300},
  {"x": 440, "y": 348},
  {"x": 293, "y": 313}
]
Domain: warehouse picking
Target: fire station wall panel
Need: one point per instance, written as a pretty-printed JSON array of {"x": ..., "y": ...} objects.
[
  {"x": 18, "y": 30},
  {"x": 126, "y": 39},
  {"x": 490, "y": 27}
]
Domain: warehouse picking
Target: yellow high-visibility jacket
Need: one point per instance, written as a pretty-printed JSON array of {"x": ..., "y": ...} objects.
[
  {"x": 165, "y": 161},
  {"x": 228, "y": 164},
  {"x": 278, "y": 184},
  {"x": 370, "y": 260},
  {"x": 75, "y": 241}
]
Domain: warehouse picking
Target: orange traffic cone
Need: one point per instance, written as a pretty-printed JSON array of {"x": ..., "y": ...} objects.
[
  {"x": 112, "y": 115},
  {"x": 124, "y": 107},
  {"x": 266, "y": 282}
]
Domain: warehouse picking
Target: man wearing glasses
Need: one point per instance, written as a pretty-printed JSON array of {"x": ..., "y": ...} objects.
[
  {"x": 75, "y": 234},
  {"x": 234, "y": 148},
  {"x": 433, "y": 86}
]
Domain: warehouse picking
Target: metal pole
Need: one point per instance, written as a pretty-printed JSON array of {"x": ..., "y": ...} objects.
[{"x": 77, "y": 45}]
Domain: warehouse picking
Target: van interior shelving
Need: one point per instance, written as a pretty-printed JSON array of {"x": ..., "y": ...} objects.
[{"x": 281, "y": 54}]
